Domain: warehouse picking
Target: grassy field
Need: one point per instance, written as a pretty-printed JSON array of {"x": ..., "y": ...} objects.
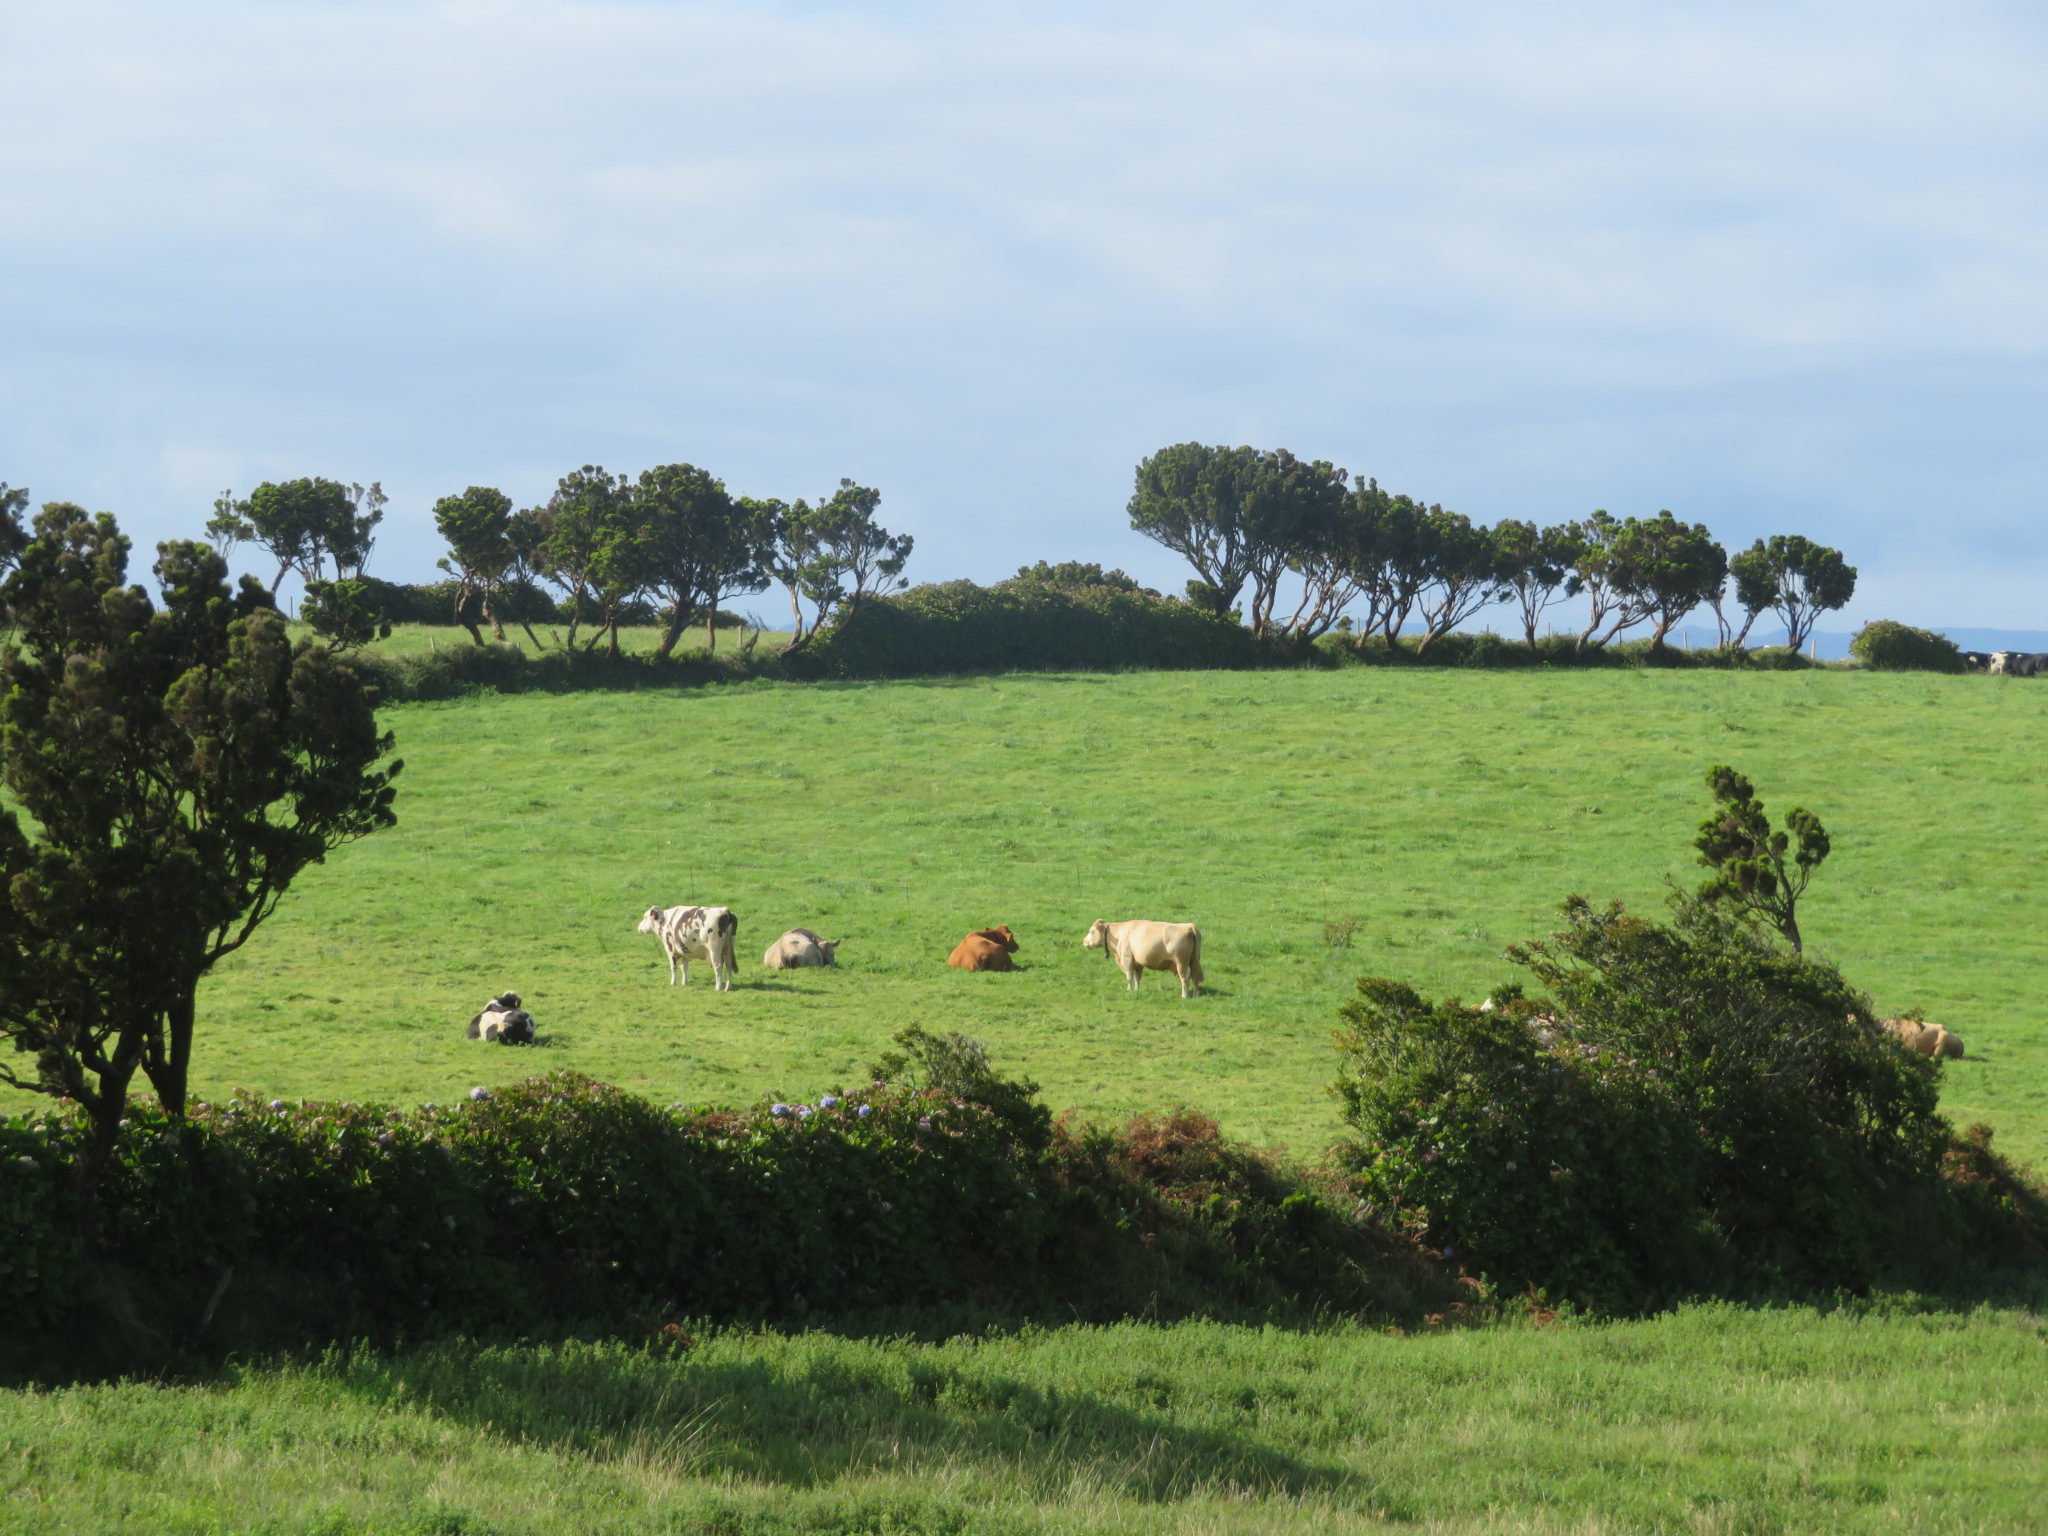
[
  {"x": 1711, "y": 1420},
  {"x": 1445, "y": 812}
]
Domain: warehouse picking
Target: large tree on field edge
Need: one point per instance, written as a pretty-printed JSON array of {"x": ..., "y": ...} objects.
[{"x": 170, "y": 769}]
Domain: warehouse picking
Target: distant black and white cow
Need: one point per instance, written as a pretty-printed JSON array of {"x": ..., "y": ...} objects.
[
  {"x": 1976, "y": 661},
  {"x": 504, "y": 1021},
  {"x": 2019, "y": 663},
  {"x": 695, "y": 933}
]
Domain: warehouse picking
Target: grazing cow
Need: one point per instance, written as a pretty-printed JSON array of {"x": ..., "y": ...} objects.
[
  {"x": 1976, "y": 661},
  {"x": 798, "y": 948},
  {"x": 1926, "y": 1039},
  {"x": 2019, "y": 663},
  {"x": 695, "y": 933},
  {"x": 504, "y": 1021},
  {"x": 986, "y": 949},
  {"x": 1138, "y": 947}
]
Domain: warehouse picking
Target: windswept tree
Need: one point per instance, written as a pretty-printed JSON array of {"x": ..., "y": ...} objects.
[
  {"x": 1462, "y": 573},
  {"x": 597, "y": 548},
  {"x": 1535, "y": 563},
  {"x": 477, "y": 526},
  {"x": 1669, "y": 568},
  {"x": 832, "y": 555},
  {"x": 1190, "y": 498},
  {"x": 170, "y": 768},
  {"x": 1338, "y": 562},
  {"x": 706, "y": 547},
  {"x": 1805, "y": 580},
  {"x": 1289, "y": 507},
  {"x": 1634, "y": 570},
  {"x": 1247, "y": 516},
  {"x": 1756, "y": 589},
  {"x": 303, "y": 524},
  {"x": 1758, "y": 869},
  {"x": 869, "y": 557}
]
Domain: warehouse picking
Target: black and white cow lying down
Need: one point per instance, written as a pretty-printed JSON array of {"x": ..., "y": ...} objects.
[
  {"x": 504, "y": 1021},
  {"x": 695, "y": 933}
]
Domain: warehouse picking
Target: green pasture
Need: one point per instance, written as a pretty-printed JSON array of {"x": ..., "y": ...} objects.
[
  {"x": 1708, "y": 1420},
  {"x": 1443, "y": 812}
]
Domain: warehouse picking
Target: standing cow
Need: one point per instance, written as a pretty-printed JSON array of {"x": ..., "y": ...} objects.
[
  {"x": 695, "y": 933},
  {"x": 1138, "y": 947}
]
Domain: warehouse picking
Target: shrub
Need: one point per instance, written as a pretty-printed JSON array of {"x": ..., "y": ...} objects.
[
  {"x": 1027, "y": 623},
  {"x": 559, "y": 1202},
  {"x": 1696, "y": 1111},
  {"x": 1886, "y": 646}
]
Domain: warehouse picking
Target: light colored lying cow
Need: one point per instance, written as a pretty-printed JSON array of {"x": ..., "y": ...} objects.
[
  {"x": 1926, "y": 1039},
  {"x": 696, "y": 933},
  {"x": 1138, "y": 947},
  {"x": 798, "y": 948},
  {"x": 504, "y": 1021}
]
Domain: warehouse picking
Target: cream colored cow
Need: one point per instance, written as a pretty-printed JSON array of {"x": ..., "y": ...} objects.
[
  {"x": 1926, "y": 1039},
  {"x": 798, "y": 948},
  {"x": 1138, "y": 947}
]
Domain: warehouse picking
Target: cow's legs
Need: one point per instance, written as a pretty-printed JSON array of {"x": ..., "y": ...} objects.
[{"x": 1186, "y": 974}]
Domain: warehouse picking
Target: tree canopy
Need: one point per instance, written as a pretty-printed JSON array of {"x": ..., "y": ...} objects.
[
  {"x": 170, "y": 768},
  {"x": 303, "y": 524}
]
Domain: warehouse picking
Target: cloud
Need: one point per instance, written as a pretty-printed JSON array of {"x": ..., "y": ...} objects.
[{"x": 1771, "y": 266}]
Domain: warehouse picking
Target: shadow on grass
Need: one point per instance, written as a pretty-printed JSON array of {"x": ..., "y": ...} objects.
[{"x": 833, "y": 1411}]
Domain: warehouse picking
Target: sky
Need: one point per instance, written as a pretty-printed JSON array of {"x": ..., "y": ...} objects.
[{"x": 1775, "y": 267}]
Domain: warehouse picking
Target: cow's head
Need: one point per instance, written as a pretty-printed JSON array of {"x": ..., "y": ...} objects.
[
  {"x": 651, "y": 923},
  {"x": 1001, "y": 936},
  {"x": 830, "y": 949},
  {"x": 1098, "y": 935}
]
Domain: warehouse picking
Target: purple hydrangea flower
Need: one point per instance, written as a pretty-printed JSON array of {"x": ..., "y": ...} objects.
[
  {"x": 804, "y": 1111},
  {"x": 829, "y": 1101},
  {"x": 277, "y": 1104},
  {"x": 479, "y": 1093},
  {"x": 386, "y": 1139},
  {"x": 778, "y": 1109},
  {"x": 866, "y": 1110}
]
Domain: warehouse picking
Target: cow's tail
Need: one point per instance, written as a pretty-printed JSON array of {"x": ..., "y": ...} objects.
[{"x": 1196, "y": 966}]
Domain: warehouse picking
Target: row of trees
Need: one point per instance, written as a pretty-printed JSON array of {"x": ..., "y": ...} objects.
[
  {"x": 1245, "y": 518},
  {"x": 672, "y": 536}
]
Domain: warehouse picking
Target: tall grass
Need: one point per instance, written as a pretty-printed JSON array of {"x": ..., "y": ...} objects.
[{"x": 1708, "y": 1420}]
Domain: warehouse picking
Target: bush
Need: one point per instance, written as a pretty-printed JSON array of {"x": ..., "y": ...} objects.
[
  {"x": 1696, "y": 1111},
  {"x": 1886, "y": 646},
  {"x": 1027, "y": 623},
  {"x": 562, "y": 1203}
]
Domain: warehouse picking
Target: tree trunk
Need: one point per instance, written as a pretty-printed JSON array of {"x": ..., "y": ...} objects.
[
  {"x": 491, "y": 613},
  {"x": 797, "y": 639},
  {"x": 711, "y": 628},
  {"x": 672, "y": 632}
]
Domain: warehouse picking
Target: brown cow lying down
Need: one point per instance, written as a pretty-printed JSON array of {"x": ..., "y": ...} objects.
[
  {"x": 1138, "y": 947},
  {"x": 798, "y": 948},
  {"x": 986, "y": 949},
  {"x": 1927, "y": 1039}
]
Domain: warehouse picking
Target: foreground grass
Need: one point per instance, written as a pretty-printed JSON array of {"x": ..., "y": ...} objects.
[
  {"x": 1710, "y": 1420},
  {"x": 1444, "y": 813}
]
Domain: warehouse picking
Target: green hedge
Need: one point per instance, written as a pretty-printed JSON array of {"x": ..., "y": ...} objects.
[
  {"x": 1025, "y": 625},
  {"x": 1693, "y": 1112},
  {"x": 1888, "y": 646},
  {"x": 559, "y": 1203}
]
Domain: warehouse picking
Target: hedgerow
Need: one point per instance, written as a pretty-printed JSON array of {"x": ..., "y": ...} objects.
[{"x": 561, "y": 1203}]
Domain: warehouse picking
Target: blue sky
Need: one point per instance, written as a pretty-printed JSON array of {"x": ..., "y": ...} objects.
[{"x": 1775, "y": 267}]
